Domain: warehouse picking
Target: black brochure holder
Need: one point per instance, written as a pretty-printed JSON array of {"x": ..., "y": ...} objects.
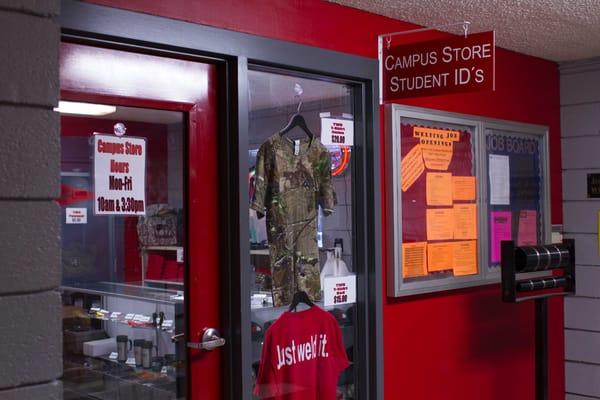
[{"x": 552, "y": 258}]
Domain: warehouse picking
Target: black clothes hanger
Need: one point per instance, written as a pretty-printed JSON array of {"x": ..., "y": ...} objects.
[
  {"x": 297, "y": 120},
  {"x": 300, "y": 297}
]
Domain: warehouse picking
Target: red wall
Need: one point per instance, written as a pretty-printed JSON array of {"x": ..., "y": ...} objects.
[{"x": 455, "y": 345}]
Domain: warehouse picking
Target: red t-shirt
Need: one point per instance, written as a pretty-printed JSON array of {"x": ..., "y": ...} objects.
[{"x": 302, "y": 357}]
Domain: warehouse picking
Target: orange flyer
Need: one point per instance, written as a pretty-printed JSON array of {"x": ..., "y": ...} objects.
[
  {"x": 437, "y": 146},
  {"x": 465, "y": 221},
  {"x": 439, "y": 189},
  {"x": 463, "y": 188},
  {"x": 465, "y": 258},
  {"x": 440, "y": 223},
  {"x": 440, "y": 256},
  {"x": 412, "y": 167},
  {"x": 414, "y": 259}
]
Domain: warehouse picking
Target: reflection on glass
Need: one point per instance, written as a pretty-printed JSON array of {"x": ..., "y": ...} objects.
[
  {"x": 305, "y": 190},
  {"x": 123, "y": 283}
]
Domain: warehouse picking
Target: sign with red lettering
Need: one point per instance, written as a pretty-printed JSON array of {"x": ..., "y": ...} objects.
[
  {"x": 454, "y": 65},
  {"x": 337, "y": 132},
  {"x": 339, "y": 290},
  {"x": 119, "y": 175}
]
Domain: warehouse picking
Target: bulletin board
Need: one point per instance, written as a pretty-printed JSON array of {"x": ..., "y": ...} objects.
[
  {"x": 517, "y": 191},
  {"x": 442, "y": 170}
]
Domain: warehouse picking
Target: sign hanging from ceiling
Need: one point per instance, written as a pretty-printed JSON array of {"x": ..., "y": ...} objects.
[
  {"x": 119, "y": 175},
  {"x": 457, "y": 64}
]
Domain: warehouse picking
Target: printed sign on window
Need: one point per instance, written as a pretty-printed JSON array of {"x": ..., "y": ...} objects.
[
  {"x": 76, "y": 215},
  {"x": 339, "y": 290},
  {"x": 119, "y": 175},
  {"x": 338, "y": 132}
]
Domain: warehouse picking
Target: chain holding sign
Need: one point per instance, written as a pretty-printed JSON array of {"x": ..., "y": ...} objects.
[{"x": 119, "y": 175}]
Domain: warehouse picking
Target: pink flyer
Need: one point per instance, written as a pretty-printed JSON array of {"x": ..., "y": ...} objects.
[{"x": 501, "y": 227}]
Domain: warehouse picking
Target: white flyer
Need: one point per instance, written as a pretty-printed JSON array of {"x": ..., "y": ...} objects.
[
  {"x": 339, "y": 290},
  {"x": 499, "y": 171},
  {"x": 119, "y": 175},
  {"x": 76, "y": 215},
  {"x": 338, "y": 132}
]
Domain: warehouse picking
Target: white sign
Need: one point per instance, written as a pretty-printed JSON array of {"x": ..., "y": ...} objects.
[
  {"x": 499, "y": 171},
  {"x": 119, "y": 175},
  {"x": 339, "y": 290},
  {"x": 338, "y": 132},
  {"x": 76, "y": 215}
]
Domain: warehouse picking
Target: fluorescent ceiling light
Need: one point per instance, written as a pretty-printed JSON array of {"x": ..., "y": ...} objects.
[{"x": 70, "y": 107}]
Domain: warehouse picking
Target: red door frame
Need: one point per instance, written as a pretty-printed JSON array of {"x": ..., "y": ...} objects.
[{"x": 130, "y": 77}]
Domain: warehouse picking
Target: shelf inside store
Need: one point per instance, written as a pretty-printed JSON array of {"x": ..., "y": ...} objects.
[
  {"x": 163, "y": 282},
  {"x": 128, "y": 291},
  {"x": 259, "y": 252},
  {"x": 123, "y": 321},
  {"x": 162, "y": 248}
]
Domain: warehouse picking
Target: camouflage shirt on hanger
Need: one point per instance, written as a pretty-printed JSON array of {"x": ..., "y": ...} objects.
[{"x": 292, "y": 179}]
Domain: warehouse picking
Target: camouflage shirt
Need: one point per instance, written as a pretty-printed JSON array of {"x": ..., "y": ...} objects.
[{"x": 292, "y": 180}]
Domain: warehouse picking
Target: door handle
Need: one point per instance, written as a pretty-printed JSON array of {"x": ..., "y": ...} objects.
[{"x": 211, "y": 339}]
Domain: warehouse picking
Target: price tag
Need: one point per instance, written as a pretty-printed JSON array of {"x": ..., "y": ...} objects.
[
  {"x": 138, "y": 317},
  {"x": 339, "y": 290},
  {"x": 94, "y": 309},
  {"x": 339, "y": 132},
  {"x": 76, "y": 215},
  {"x": 163, "y": 370},
  {"x": 113, "y": 355},
  {"x": 115, "y": 315},
  {"x": 180, "y": 254},
  {"x": 167, "y": 324},
  {"x": 130, "y": 361},
  {"x": 129, "y": 316}
]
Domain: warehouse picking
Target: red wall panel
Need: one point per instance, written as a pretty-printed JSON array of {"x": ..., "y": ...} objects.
[{"x": 454, "y": 345}]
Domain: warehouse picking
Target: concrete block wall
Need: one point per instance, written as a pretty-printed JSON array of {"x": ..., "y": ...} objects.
[
  {"x": 580, "y": 119},
  {"x": 30, "y": 326}
]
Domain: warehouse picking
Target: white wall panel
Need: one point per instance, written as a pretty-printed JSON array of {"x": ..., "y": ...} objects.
[
  {"x": 586, "y": 248},
  {"x": 588, "y": 278},
  {"x": 582, "y": 313},
  {"x": 580, "y": 120},
  {"x": 581, "y": 217},
  {"x": 583, "y": 379},
  {"x": 582, "y": 346},
  {"x": 581, "y": 152},
  {"x": 580, "y": 88}
]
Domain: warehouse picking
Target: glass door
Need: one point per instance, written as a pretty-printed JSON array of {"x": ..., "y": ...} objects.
[{"x": 140, "y": 200}]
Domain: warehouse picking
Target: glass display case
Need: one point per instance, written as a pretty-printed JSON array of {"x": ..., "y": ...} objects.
[
  {"x": 123, "y": 270},
  {"x": 305, "y": 242}
]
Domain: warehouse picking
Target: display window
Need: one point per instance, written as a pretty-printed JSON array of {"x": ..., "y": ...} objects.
[{"x": 300, "y": 173}]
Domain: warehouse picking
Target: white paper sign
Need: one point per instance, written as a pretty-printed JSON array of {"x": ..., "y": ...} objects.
[
  {"x": 339, "y": 132},
  {"x": 119, "y": 175},
  {"x": 499, "y": 171},
  {"x": 339, "y": 290},
  {"x": 76, "y": 215},
  {"x": 180, "y": 254},
  {"x": 113, "y": 355}
]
